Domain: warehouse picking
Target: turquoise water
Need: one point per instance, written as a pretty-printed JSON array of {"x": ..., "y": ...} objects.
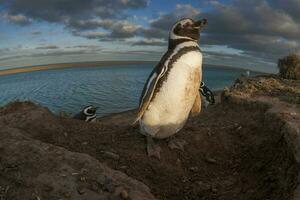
[{"x": 112, "y": 89}]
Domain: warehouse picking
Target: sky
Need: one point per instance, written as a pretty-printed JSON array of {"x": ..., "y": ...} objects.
[{"x": 240, "y": 33}]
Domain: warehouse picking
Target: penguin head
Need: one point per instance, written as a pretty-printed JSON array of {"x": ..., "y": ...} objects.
[
  {"x": 89, "y": 110},
  {"x": 187, "y": 29}
]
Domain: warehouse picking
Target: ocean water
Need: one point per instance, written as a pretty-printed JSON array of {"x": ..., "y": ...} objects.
[{"x": 112, "y": 89}]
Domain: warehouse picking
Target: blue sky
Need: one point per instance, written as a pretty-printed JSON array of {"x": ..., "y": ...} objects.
[{"x": 251, "y": 34}]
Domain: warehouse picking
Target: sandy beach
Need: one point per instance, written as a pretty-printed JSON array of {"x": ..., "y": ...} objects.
[{"x": 69, "y": 65}]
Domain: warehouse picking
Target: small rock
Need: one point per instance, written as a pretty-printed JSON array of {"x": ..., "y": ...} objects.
[
  {"x": 101, "y": 179},
  {"x": 80, "y": 190},
  {"x": 67, "y": 194},
  {"x": 124, "y": 194},
  {"x": 84, "y": 143},
  {"x": 209, "y": 133},
  {"x": 194, "y": 169},
  {"x": 66, "y": 134},
  {"x": 83, "y": 171},
  {"x": 203, "y": 186},
  {"x": 94, "y": 186},
  {"x": 211, "y": 160},
  {"x": 184, "y": 179},
  {"x": 214, "y": 189},
  {"x": 111, "y": 155}
]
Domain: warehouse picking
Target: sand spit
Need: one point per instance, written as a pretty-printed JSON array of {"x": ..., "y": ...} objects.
[{"x": 69, "y": 65}]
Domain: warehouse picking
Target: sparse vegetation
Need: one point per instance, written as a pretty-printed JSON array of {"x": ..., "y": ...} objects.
[{"x": 289, "y": 66}]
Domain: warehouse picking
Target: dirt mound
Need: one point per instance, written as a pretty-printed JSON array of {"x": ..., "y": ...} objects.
[
  {"x": 31, "y": 169},
  {"x": 243, "y": 148},
  {"x": 289, "y": 66}
]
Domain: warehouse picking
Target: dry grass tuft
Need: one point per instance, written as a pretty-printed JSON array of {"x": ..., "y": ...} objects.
[{"x": 289, "y": 66}]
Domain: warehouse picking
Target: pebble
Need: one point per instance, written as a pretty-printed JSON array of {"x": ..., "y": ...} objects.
[
  {"x": 194, "y": 169},
  {"x": 203, "y": 186},
  {"x": 94, "y": 186},
  {"x": 111, "y": 155},
  {"x": 66, "y": 134},
  {"x": 67, "y": 194},
  {"x": 84, "y": 143},
  {"x": 80, "y": 190},
  {"x": 124, "y": 194},
  {"x": 211, "y": 160},
  {"x": 214, "y": 189}
]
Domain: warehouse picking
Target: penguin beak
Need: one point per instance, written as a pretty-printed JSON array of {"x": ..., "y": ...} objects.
[{"x": 199, "y": 24}]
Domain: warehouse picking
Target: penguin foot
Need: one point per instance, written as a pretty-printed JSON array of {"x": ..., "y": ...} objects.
[
  {"x": 153, "y": 149},
  {"x": 175, "y": 143}
]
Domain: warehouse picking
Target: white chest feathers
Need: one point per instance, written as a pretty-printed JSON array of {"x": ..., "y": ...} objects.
[{"x": 170, "y": 108}]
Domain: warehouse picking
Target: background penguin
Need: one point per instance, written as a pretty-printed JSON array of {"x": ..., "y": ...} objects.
[
  {"x": 207, "y": 94},
  {"x": 171, "y": 92},
  {"x": 88, "y": 114}
]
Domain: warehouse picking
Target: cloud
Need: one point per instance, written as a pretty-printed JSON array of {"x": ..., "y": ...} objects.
[
  {"x": 47, "y": 47},
  {"x": 77, "y": 15},
  {"x": 252, "y": 26},
  {"x": 36, "y": 33},
  {"x": 160, "y": 27},
  {"x": 4, "y": 50},
  {"x": 148, "y": 42},
  {"x": 91, "y": 34},
  {"x": 83, "y": 46},
  {"x": 58, "y": 11},
  {"x": 291, "y": 7},
  {"x": 114, "y": 29},
  {"x": 17, "y": 19},
  {"x": 258, "y": 28}
]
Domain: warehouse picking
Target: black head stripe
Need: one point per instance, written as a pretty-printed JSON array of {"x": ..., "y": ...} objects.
[{"x": 177, "y": 56}]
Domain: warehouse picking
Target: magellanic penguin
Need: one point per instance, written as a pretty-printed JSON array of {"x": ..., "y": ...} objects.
[
  {"x": 207, "y": 94},
  {"x": 88, "y": 114},
  {"x": 171, "y": 92}
]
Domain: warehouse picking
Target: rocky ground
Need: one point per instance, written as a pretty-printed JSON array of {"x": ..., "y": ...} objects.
[{"x": 246, "y": 147}]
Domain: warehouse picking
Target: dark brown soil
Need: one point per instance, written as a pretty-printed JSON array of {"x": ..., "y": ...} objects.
[{"x": 231, "y": 154}]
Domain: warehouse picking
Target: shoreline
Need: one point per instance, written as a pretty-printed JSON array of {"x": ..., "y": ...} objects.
[
  {"x": 97, "y": 64},
  {"x": 70, "y": 65}
]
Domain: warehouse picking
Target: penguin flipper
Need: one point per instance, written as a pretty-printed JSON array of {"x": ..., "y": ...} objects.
[
  {"x": 148, "y": 91},
  {"x": 196, "y": 109}
]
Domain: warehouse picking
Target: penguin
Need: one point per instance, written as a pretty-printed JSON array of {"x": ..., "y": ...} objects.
[
  {"x": 171, "y": 92},
  {"x": 208, "y": 96},
  {"x": 88, "y": 114}
]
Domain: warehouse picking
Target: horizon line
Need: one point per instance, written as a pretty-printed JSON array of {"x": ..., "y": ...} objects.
[{"x": 108, "y": 63}]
